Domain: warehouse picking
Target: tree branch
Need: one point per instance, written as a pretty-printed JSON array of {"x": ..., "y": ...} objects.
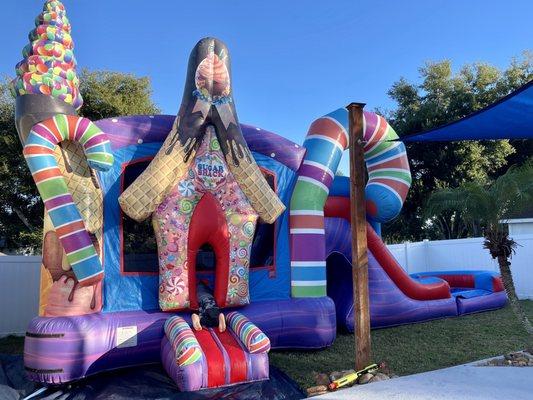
[{"x": 23, "y": 218}]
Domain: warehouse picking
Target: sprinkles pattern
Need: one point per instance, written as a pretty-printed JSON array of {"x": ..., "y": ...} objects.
[{"x": 49, "y": 65}]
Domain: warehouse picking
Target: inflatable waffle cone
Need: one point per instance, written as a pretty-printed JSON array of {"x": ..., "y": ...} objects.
[
  {"x": 142, "y": 197},
  {"x": 207, "y": 100},
  {"x": 257, "y": 190},
  {"x": 87, "y": 197}
]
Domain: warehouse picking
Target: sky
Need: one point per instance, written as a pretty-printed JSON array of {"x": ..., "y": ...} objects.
[{"x": 292, "y": 61}]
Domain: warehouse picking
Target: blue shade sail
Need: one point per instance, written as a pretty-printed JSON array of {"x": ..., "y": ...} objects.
[{"x": 509, "y": 118}]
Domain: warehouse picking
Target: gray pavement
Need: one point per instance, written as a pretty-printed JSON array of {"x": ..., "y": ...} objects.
[{"x": 456, "y": 383}]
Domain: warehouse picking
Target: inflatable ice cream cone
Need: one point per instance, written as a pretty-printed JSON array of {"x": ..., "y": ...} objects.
[{"x": 47, "y": 85}]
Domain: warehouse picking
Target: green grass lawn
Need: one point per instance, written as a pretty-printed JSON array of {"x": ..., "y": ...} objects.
[
  {"x": 407, "y": 349},
  {"x": 415, "y": 348}
]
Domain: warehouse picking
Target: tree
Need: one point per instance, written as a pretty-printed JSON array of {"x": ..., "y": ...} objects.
[
  {"x": 486, "y": 205},
  {"x": 106, "y": 94},
  {"x": 442, "y": 97},
  {"x": 21, "y": 211},
  {"x": 110, "y": 94}
]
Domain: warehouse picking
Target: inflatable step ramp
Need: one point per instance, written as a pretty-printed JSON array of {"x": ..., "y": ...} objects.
[
  {"x": 474, "y": 291},
  {"x": 208, "y": 358}
]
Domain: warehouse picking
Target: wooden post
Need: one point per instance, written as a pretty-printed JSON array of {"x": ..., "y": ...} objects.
[{"x": 359, "y": 245}]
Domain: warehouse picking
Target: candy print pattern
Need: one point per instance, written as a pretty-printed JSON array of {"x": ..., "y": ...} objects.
[
  {"x": 53, "y": 34},
  {"x": 175, "y": 285},
  {"x": 186, "y": 188},
  {"x": 172, "y": 218},
  {"x": 387, "y": 187},
  {"x": 250, "y": 335},
  {"x": 184, "y": 343},
  {"x": 65, "y": 217},
  {"x": 49, "y": 65}
]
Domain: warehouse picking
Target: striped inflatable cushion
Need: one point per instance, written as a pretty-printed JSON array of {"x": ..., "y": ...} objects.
[
  {"x": 181, "y": 337},
  {"x": 250, "y": 335}
]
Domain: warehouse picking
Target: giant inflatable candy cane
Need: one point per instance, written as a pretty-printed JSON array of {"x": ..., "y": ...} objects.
[
  {"x": 67, "y": 221},
  {"x": 389, "y": 180}
]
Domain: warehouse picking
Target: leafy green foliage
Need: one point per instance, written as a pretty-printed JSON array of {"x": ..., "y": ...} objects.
[
  {"x": 21, "y": 212},
  {"x": 444, "y": 96},
  {"x": 109, "y": 94},
  {"x": 485, "y": 205},
  {"x": 106, "y": 94}
]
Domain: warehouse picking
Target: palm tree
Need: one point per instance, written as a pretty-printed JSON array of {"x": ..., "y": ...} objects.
[{"x": 486, "y": 206}]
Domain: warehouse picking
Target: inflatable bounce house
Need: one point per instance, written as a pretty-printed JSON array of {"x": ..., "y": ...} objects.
[{"x": 263, "y": 222}]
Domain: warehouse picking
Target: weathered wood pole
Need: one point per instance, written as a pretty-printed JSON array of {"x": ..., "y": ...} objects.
[{"x": 359, "y": 245}]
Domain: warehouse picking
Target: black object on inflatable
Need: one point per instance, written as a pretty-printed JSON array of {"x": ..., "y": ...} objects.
[
  {"x": 148, "y": 382},
  {"x": 34, "y": 108}
]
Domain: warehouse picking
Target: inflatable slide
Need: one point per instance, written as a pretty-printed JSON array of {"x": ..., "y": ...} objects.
[{"x": 396, "y": 297}]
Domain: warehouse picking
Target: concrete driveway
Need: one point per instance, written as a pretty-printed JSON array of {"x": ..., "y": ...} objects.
[{"x": 456, "y": 383}]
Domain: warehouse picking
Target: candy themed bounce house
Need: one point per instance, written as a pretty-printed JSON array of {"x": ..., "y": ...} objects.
[{"x": 140, "y": 209}]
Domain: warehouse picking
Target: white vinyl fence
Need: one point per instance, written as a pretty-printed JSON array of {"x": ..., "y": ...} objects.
[
  {"x": 19, "y": 292},
  {"x": 19, "y": 275}
]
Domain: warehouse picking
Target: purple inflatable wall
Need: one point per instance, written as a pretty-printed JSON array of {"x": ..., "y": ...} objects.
[{"x": 62, "y": 349}]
